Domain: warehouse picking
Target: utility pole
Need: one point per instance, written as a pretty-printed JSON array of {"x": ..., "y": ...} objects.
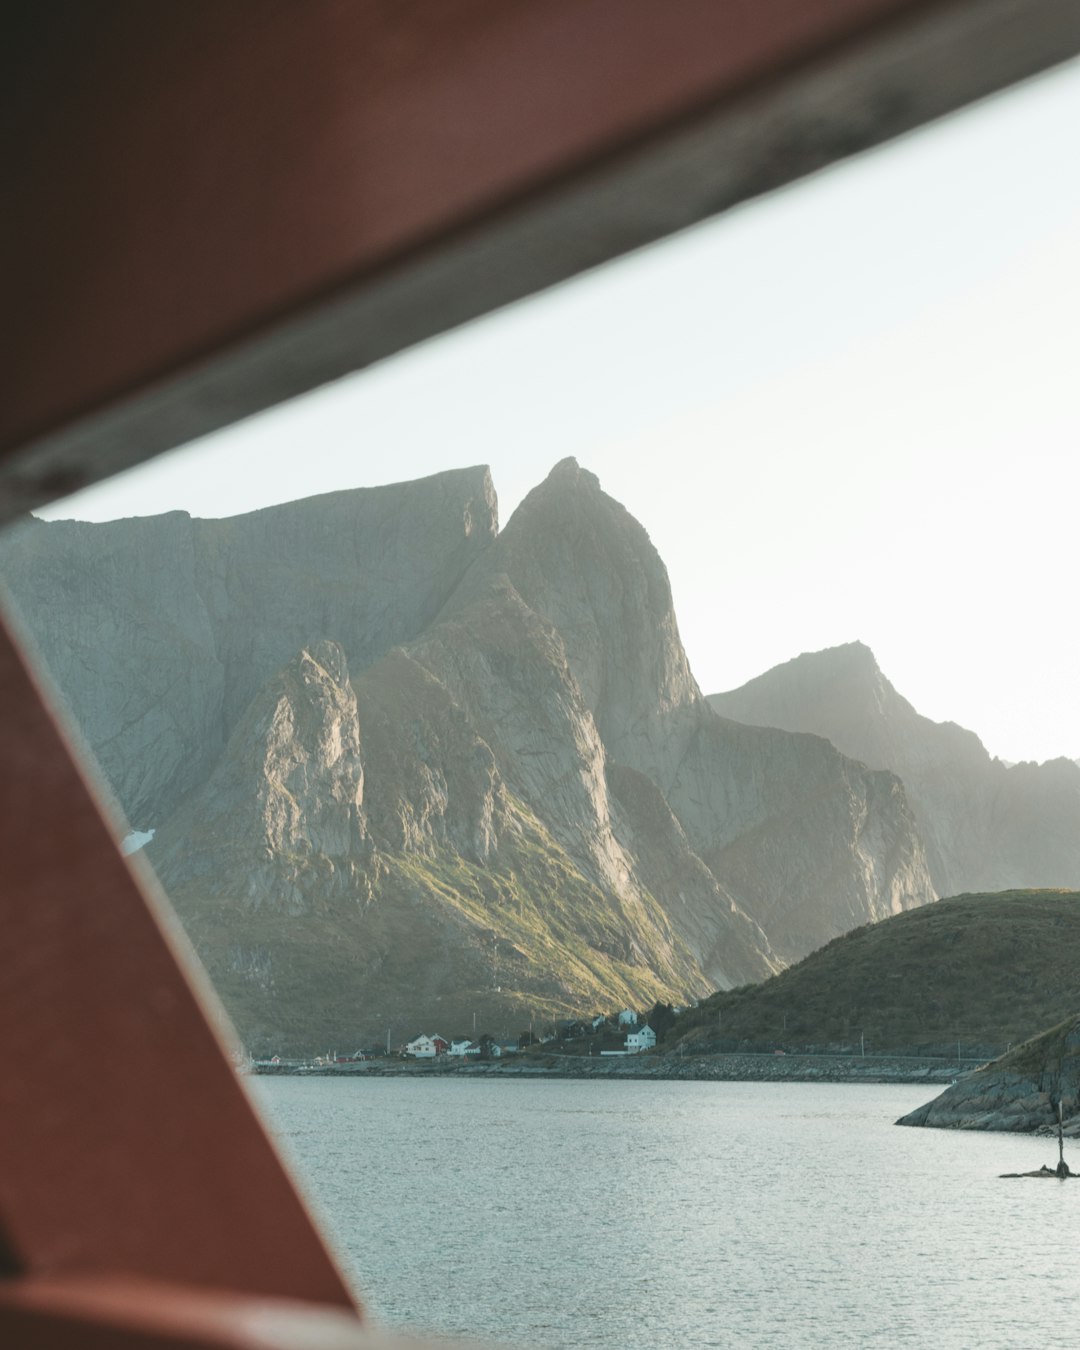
[
  {"x": 862, "y": 1037},
  {"x": 1063, "y": 1166}
]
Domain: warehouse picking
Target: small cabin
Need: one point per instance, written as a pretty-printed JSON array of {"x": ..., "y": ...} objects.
[{"x": 642, "y": 1039}]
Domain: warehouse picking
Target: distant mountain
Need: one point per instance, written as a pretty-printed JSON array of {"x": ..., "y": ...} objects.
[
  {"x": 404, "y": 768},
  {"x": 986, "y": 826},
  {"x": 978, "y": 970}
]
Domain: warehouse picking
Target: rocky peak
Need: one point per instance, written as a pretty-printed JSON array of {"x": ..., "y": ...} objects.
[
  {"x": 841, "y": 693},
  {"x": 986, "y": 827},
  {"x": 581, "y": 562},
  {"x": 568, "y": 473}
]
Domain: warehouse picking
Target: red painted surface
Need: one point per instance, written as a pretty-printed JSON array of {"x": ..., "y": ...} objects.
[
  {"x": 177, "y": 177},
  {"x": 179, "y": 174},
  {"x": 126, "y": 1142},
  {"x": 111, "y": 1312}
]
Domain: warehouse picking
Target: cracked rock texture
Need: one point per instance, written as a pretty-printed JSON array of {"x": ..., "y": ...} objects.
[{"x": 1018, "y": 1092}]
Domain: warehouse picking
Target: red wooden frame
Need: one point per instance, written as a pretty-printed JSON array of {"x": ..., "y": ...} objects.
[{"x": 212, "y": 205}]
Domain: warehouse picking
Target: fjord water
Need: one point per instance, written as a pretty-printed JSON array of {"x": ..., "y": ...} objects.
[{"x": 648, "y": 1215}]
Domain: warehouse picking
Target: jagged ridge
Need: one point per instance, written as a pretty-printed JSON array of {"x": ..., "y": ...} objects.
[
  {"x": 530, "y": 776},
  {"x": 987, "y": 826}
]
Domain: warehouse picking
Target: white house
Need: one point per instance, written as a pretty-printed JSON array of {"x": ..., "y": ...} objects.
[
  {"x": 642, "y": 1039},
  {"x": 628, "y": 1018},
  {"x": 427, "y": 1047},
  {"x": 459, "y": 1049}
]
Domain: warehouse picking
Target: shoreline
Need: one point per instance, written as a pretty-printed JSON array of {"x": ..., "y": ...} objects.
[{"x": 729, "y": 1068}]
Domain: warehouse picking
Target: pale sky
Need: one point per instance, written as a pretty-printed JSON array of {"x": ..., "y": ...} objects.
[{"x": 847, "y": 410}]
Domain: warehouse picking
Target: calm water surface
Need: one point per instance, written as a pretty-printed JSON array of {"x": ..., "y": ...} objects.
[{"x": 647, "y": 1215}]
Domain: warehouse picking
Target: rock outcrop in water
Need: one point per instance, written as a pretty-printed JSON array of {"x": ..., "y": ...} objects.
[
  {"x": 1018, "y": 1092},
  {"x": 411, "y": 768},
  {"x": 986, "y": 826}
]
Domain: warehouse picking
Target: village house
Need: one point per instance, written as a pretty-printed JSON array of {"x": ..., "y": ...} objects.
[
  {"x": 642, "y": 1039},
  {"x": 459, "y": 1049},
  {"x": 427, "y": 1047},
  {"x": 628, "y": 1018}
]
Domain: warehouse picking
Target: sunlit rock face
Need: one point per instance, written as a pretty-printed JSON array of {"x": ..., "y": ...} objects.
[
  {"x": 804, "y": 842},
  {"x": 436, "y": 769},
  {"x": 986, "y": 826},
  {"x": 284, "y": 802}
]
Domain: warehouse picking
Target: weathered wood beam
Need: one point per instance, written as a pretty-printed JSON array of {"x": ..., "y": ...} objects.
[
  {"x": 127, "y": 1143},
  {"x": 211, "y": 206},
  {"x": 110, "y": 1312}
]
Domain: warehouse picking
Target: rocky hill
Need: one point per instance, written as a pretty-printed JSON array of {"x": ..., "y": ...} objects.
[
  {"x": 1018, "y": 1092},
  {"x": 986, "y": 826},
  {"x": 403, "y": 768},
  {"x": 981, "y": 971}
]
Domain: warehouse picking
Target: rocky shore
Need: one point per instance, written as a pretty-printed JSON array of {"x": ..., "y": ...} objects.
[
  {"x": 1018, "y": 1093},
  {"x": 747, "y": 1068},
  {"x": 994, "y": 1099}
]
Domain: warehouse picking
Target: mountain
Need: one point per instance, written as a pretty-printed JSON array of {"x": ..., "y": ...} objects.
[
  {"x": 806, "y": 841},
  {"x": 424, "y": 770},
  {"x": 981, "y": 970},
  {"x": 1019, "y": 1092},
  {"x": 159, "y": 631},
  {"x": 986, "y": 826}
]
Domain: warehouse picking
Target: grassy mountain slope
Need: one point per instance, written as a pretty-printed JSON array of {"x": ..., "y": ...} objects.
[
  {"x": 985, "y": 969},
  {"x": 436, "y": 940}
]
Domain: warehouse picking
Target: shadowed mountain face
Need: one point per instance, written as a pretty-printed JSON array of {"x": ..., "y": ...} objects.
[
  {"x": 418, "y": 770},
  {"x": 160, "y": 631},
  {"x": 986, "y": 826}
]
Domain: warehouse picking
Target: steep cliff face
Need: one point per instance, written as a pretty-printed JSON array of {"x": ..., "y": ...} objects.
[
  {"x": 986, "y": 826},
  {"x": 428, "y": 771},
  {"x": 327, "y": 898},
  {"x": 810, "y": 842},
  {"x": 121, "y": 625},
  {"x": 581, "y": 562},
  {"x": 509, "y": 668},
  {"x": 160, "y": 631},
  {"x": 281, "y": 816},
  {"x": 804, "y": 842},
  {"x": 370, "y": 567}
]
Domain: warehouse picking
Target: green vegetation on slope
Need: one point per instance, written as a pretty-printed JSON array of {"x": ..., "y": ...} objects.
[
  {"x": 564, "y": 946},
  {"x": 984, "y": 970},
  {"x": 1054, "y": 1051},
  {"x": 438, "y": 939}
]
